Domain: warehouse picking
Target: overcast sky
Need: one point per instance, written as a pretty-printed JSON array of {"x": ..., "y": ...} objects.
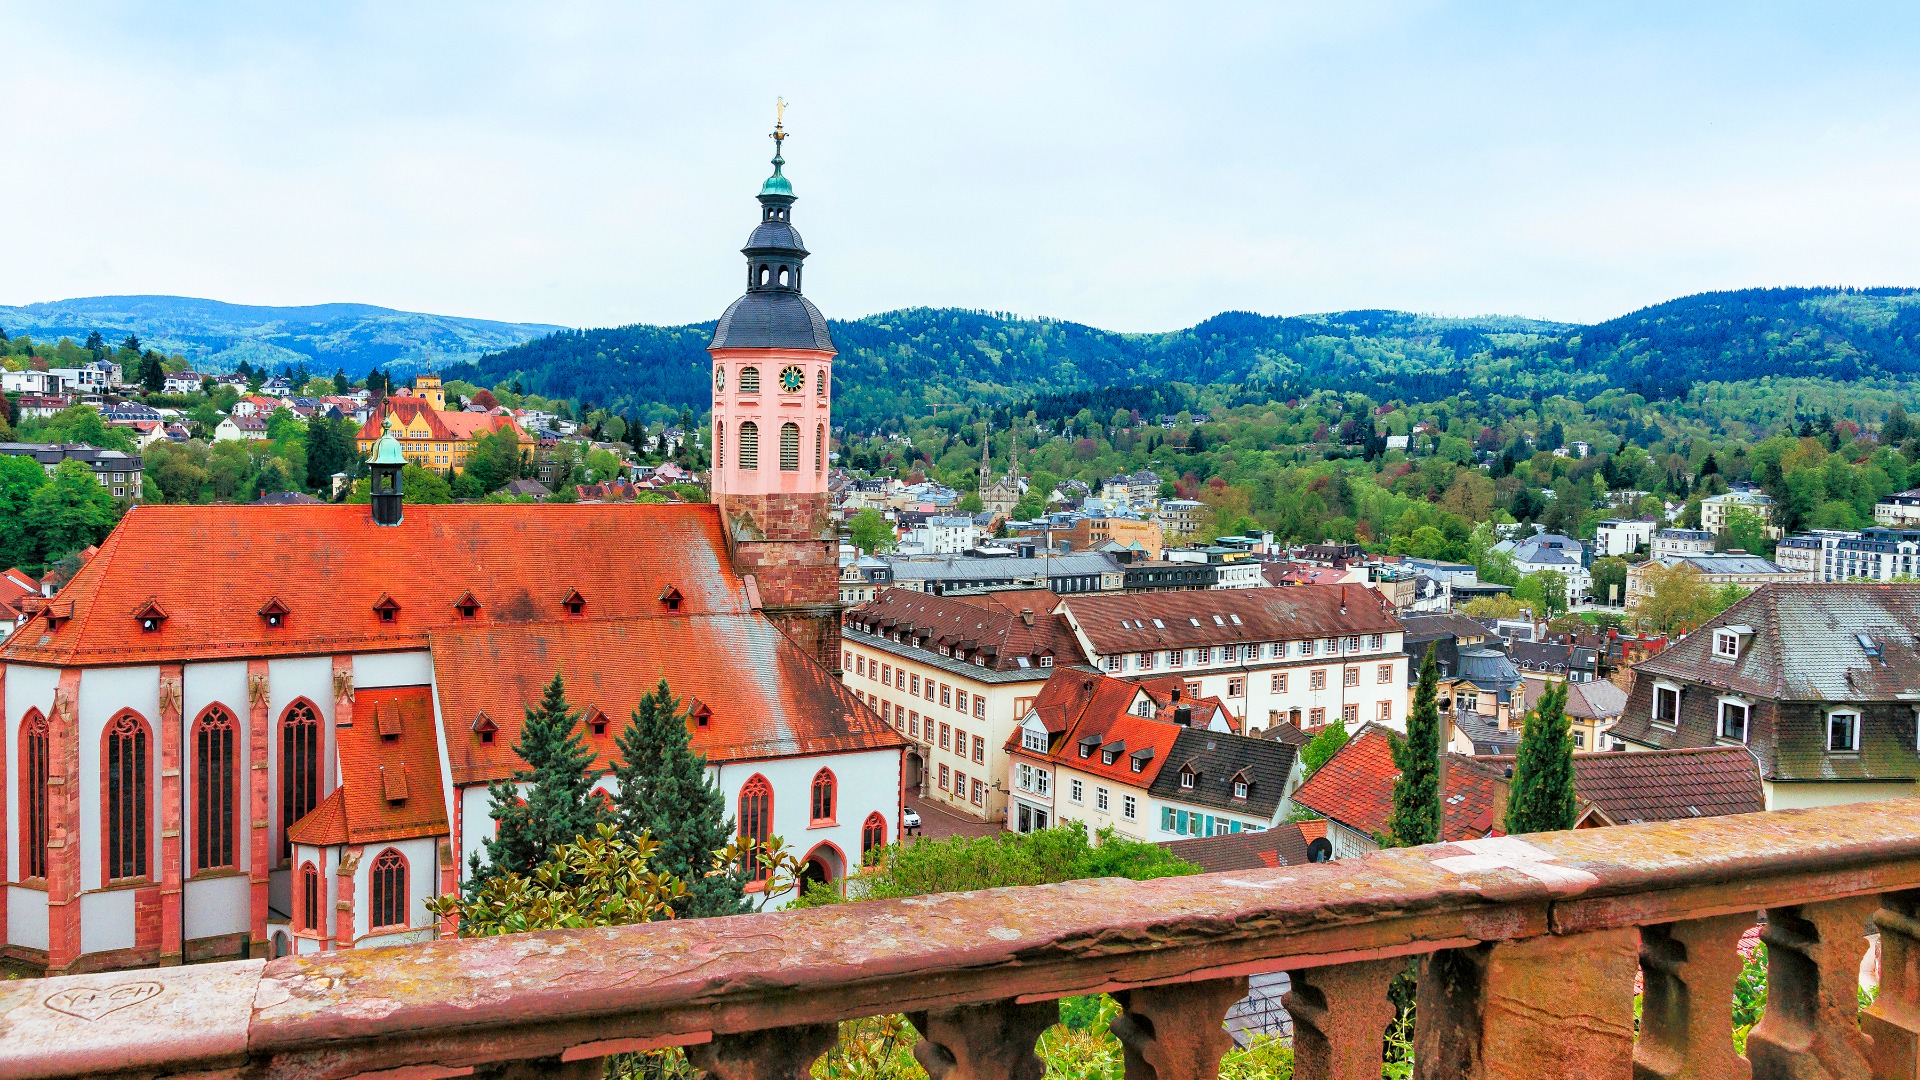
[{"x": 1137, "y": 167}]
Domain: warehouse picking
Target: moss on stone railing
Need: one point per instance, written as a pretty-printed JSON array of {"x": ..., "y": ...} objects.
[{"x": 1528, "y": 956}]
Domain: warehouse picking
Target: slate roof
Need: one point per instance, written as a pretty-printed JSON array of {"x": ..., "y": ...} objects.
[
  {"x": 1424, "y": 627},
  {"x": 1485, "y": 735},
  {"x": 1355, "y": 788},
  {"x": 976, "y": 568},
  {"x": 1285, "y": 732},
  {"x": 1282, "y": 845},
  {"x": 764, "y": 696},
  {"x": 1140, "y": 622},
  {"x": 1596, "y": 699},
  {"x": 1805, "y": 646},
  {"x": 1667, "y": 785},
  {"x": 772, "y": 319},
  {"x": 1552, "y": 656},
  {"x": 1010, "y": 630},
  {"x": 1216, "y": 758},
  {"x": 329, "y": 565}
]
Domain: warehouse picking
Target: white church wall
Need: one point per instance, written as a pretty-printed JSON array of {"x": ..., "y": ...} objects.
[
  {"x": 103, "y": 693},
  {"x": 211, "y": 906},
  {"x": 372, "y": 670},
  {"x": 27, "y": 917},
  {"x": 28, "y": 687},
  {"x": 106, "y": 920},
  {"x": 423, "y": 881}
]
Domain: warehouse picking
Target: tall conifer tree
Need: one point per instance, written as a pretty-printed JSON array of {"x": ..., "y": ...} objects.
[
  {"x": 664, "y": 791},
  {"x": 1416, "y": 794},
  {"x": 1542, "y": 796},
  {"x": 558, "y": 803}
]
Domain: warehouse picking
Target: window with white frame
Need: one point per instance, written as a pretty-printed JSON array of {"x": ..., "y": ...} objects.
[
  {"x": 1175, "y": 657},
  {"x": 1076, "y": 790},
  {"x": 1100, "y": 799},
  {"x": 1033, "y": 740},
  {"x": 1306, "y": 648},
  {"x": 1129, "y": 807},
  {"x": 1042, "y": 782},
  {"x": 1843, "y": 732},
  {"x": 1726, "y": 645},
  {"x": 1666, "y": 705},
  {"x": 1113, "y": 662},
  {"x": 1145, "y": 661},
  {"x": 1734, "y": 715},
  {"x": 1377, "y": 642}
]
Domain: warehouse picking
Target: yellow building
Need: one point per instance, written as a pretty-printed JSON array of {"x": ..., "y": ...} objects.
[{"x": 430, "y": 436}]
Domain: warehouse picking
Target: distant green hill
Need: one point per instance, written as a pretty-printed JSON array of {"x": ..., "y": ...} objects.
[
  {"x": 217, "y": 336},
  {"x": 900, "y": 362}
]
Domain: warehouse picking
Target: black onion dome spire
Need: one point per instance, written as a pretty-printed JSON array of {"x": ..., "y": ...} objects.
[{"x": 773, "y": 314}]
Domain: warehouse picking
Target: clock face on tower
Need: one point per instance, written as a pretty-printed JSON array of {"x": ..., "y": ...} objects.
[
  {"x": 792, "y": 379},
  {"x": 719, "y": 378}
]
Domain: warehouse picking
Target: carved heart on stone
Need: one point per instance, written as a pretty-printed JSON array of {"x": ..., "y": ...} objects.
[{"x": 91, "y": 1004}]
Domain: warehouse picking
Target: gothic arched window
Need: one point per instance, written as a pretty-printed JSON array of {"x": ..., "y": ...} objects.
[
  {"x": 299, "y": 767},
  {"x": 125, "y": 758},
  {"x": 215, "y": 791},
  {"x": 388, "y": 882},
  {"x": 873, "y": 835},
  {"x": 823, "y": 796},
  {"x": 310, "y": 898},
  {"x": 749, "y": 445},
  {"x": 34, "y": 773},
  {"x": 789, "y": 447},
  {"x": 756, "y": 815}
]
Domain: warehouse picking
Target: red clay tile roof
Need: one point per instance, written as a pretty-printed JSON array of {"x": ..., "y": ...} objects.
[
  {"x": 1282, "y": 845},
  {"x": 1015, "y": 624},
  {"x": 1355, "y": 788},
  {"x": 766, "y": 696},
  {"x": 1161, "y": 687},
  {"x": 390, "y": 781},
  {"x": 1667, "y": 785},
  {"x": 444, "y": 425},
  {"x": 330, "y": 564},
  {"x": 1086, "y": 703},
  {"x": 1150, "y": 621}
]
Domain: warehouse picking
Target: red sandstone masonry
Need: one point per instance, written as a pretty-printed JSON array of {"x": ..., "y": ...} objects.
[
  {"x": 1519, "y": 928},
  {"x": 172, "y": 734},
  {"x": 261, "y": 804},
  {"x": 63, "y": 825}
]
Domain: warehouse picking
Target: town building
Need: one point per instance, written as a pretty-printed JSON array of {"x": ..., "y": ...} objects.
[
  {"x": 1106, "y": 753},
  {"x": 286, "y": 741},
  {"x": 1000, "y": 494},
  {"x": 1353, "y": 791},
  {"x": 182, "y": 382},
  {"x": 37, "y": 383},
  {"x": 1550, "y": 551},
  {"x": 1075, "y": 573},
  {"x": 1815, "y": 680},
  {"x": 1898, "y": 510},
  {"x": 1088, "y": 531},
  {"x": 41, "y": 406},
  {"x": 117, "y": 471},
  {"x": 1715, "y": 508},
  {"x": 1305, "y": 655},
  {"x": 1669, "y": 543},
  {"x": 1623, "y": 536},
  {"x": 235, "y": 428},
  {"x": 941, "y": 534},
  {"x": 862, "y": 576},
  {"x": 430, "y": 436},
  {"x": 1182, "y": 519},
  {"x": 1160, "y": 575},
  {"x": 1233, "y": 567},
  {"x": 1874, "y": 554},
  {"x": 955, "y": 674},
  {"x": 1725, "y": 568}
]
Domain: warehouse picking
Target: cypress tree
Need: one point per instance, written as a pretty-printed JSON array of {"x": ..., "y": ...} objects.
[
  {"x": 664, "y": 791},
  {"x": 1542, "y": 796},
  {"x": 1416, "y": 794},
  {"x": 558, "y": 803}
]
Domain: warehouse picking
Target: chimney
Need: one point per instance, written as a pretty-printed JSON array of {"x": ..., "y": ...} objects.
[
  {"x": 1343, "y": 599},
  {"x": 1176, "y": 695},
  {"x": 1026, "y": 615},
  {"x": 1183, "y": 715}
]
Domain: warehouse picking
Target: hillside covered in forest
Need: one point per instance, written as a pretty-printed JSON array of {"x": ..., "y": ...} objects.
[{"x": 897, "y": 363}]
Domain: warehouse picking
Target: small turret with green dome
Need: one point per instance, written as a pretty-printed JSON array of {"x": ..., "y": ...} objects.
[
  {"x": 773, "y": 314},
  {"x": 386, "y": 463}
]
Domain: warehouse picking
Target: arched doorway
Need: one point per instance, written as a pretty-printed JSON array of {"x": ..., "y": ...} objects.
[
  {"x": 823, "y": 865},
  {"x": 916, "y": 769}
]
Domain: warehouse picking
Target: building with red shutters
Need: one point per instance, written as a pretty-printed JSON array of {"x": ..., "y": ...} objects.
[{"x": 284, "y": 743}]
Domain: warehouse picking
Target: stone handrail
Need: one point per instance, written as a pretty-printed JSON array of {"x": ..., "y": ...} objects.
[{"x": 1528, "y": 955}]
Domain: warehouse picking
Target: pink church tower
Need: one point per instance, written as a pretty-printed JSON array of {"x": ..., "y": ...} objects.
[{"x": 772, "y": 405}]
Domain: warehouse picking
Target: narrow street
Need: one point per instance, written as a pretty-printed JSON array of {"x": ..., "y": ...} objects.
[{"x": 938, "y": 821}]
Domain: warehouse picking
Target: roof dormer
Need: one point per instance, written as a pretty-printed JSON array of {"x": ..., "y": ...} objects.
[
  {"x": 393, "y": 782},
  {"x": 484, "y": 727},
  {"x": 467, "y": 607},
  {"x": 274, "y": 613},
  {"x": 597, "y": 720},
  {"x": 387, "y": 608},
  {"x": 386, "y": 721},
  {"x": 702, "y": 716},
  {"x": 670, "y": 598},
  {"x": 1730, "y": 641},
  {"x": 574, "y": 603},
  {"x": 150, "y": 615}
]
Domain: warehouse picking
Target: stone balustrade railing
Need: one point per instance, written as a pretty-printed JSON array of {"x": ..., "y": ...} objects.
[{"x": 1528, "y": 953}]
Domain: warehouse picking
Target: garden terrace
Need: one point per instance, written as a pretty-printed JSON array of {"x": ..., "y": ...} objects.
[{"x": 1528, "y": 952}]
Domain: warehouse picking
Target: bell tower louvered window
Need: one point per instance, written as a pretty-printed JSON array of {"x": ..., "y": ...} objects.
[
  {"x": 789, "y": 447},
  {"x": 749, "y": 445}
]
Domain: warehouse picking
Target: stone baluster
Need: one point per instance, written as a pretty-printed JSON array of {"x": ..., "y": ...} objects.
[
  {"x": 1176, "y": 1032},
  {"x": 1811, "y": 1028},
  {"x": 983, "y": 1042},
  {"x": 1893, "y": 1020},
  {"x": 1340, "y": 1015},
  {"x": 786, "y": 1053},
  {"x": 1689, "y": 970},
  {"x": 1542, "y": 1008}
]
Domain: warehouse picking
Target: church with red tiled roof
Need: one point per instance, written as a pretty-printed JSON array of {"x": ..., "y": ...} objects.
[{"x": 283, "y": 742}]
